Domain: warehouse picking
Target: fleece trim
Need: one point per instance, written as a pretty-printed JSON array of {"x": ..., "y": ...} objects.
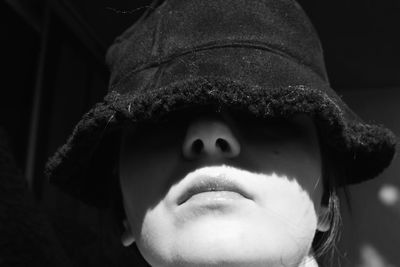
[{"x": 83, "y": 166}]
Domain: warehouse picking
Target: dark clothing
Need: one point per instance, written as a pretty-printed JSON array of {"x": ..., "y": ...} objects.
[{"x": 26, "y": 236}]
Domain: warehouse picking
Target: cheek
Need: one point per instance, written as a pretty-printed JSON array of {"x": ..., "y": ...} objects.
[
  {"x": 291, "y": 160},
  {"x": 287, "y": 208},
  {"x": 144, "y": 182},
  {"x": 143, "y": 171},
  {"x": 286, "y": 198},
  {"x": 292, "y": 192}
]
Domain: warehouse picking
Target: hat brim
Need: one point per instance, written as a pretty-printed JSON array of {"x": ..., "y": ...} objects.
[{"x": 365, "y": 150}]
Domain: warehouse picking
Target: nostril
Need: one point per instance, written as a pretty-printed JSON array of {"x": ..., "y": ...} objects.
[
  {"x": 223, "y": 145},
  {"x": 197, "y": 146},
  {"x": 209, "y": 138}
]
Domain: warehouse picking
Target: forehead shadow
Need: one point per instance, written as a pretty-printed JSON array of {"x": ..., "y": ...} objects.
[{"x": 241, "y": 122}]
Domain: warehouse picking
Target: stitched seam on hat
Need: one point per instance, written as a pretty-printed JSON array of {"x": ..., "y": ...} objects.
[{"x": 215, "y": 45}]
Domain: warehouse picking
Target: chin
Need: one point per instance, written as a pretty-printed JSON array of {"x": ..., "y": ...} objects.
[
  {"x": 223, "y": 255},
  {"x": 227, "y": 243}
]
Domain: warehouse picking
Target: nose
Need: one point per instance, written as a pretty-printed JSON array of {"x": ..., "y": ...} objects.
[{"x": 210, "y": 137}]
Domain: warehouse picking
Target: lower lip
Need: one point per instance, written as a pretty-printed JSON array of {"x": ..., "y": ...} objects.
[{"x": 215, "y": 197}]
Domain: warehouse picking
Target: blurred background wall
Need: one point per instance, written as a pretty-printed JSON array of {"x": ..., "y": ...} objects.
[{"x": 53, "y": 71}]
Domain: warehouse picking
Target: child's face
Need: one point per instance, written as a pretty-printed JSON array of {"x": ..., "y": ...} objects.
[{"x": 269, "y": 219}]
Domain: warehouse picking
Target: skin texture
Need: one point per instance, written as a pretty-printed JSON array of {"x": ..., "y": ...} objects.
[{"x": 277, "y": 163}]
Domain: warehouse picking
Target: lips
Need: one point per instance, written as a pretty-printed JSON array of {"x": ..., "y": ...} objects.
[{"x": 210, "y": 179}]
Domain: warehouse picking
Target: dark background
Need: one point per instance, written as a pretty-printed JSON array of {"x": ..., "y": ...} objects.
[{"x": 53, "y": 71}]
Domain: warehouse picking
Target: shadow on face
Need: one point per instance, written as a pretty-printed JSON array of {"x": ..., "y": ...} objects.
[{"x": 164, "y": 153}]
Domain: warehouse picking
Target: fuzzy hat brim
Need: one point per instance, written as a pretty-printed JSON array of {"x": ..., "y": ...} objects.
[{"x": 82, "y": 167}]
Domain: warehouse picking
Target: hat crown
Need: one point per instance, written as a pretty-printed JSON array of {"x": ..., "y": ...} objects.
[
  {"x": 261, "y": 57},
  {"x": 180, "y": 27}
]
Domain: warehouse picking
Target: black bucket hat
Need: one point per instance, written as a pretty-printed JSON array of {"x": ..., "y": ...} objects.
[{"x": 261, "y": 57}]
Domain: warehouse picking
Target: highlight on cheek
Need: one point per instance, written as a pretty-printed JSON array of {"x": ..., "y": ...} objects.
[{"x": 290, "y": 202}]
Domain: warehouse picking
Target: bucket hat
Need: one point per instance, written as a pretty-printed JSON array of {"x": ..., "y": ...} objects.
[{"x": 259, "y": 57}]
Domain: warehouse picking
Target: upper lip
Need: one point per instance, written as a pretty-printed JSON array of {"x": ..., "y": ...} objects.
[{"x": 198, "y": 182}]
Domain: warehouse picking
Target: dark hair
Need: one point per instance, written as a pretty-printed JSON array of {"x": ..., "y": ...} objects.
[{"x": 324, "y": 243}]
